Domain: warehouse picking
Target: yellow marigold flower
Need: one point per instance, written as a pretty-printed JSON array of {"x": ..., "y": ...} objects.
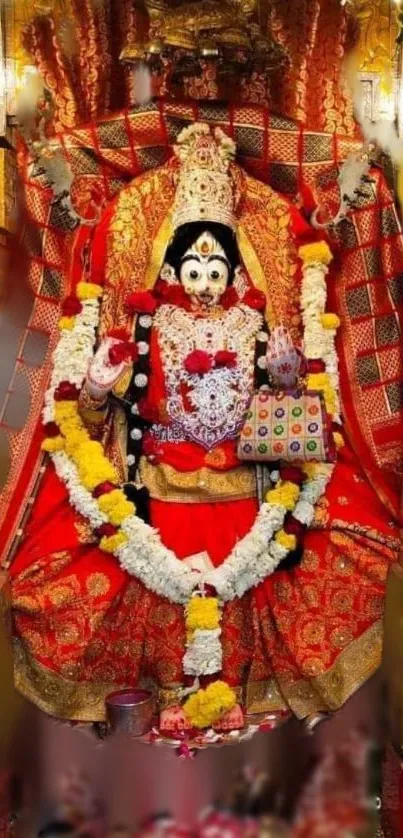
[
  {"x": 330, "y": 320},
  {"x": 51, "y": 444},
  {"x": 65, "y": 410},
  {"x": 317, "y": 380},
  {"x": 110, "y": 543},
  {"x": 73, "y": 426},
  {"x": 93, "y": 466},
  {"x": 88, "y": 291},
  {"x": 67, "y": 323},
  {"x": 74, "y": 439},
  {"x": 338, "y": 439},
  {"x": 313, "y": 469},
  {"x": 315, "y": 252},
  {"x": 202, "y": 613},
  {"x": 91, "y": 451},
  {"x": 101, "y": 473},
  {"x": 321, "y": 381},
  {"x": 206, "y": 707},
  {"x": 116, "y": 506},
  {"x": 310, "y": 469},
  {"x": 289, "y": 542},
  {"x": 286, "y": 494}
]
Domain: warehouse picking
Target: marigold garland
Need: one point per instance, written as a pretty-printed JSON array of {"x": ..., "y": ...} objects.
[
  {"x": 315, "y": 252},
  {"x": 338, "y": 439},
  {"x": 93, "y": 484},
  {"x": 53, "y": 443},
  {"x": 321, "y": 381},
  {"x": 205, "y": 707},
  {"x": 110, "y": 543},
  {"x": 88, "y": 291},
  {"x": 285, "y": 494},
  {"x": 88, "y": 455},
  {"x": 330, "y": 320},
  {"x": 67, "y": 323},
  {"x": 116, "y": 506},
  {"x": 202, "y": 613},
  {"x": 288, "y": 541}
]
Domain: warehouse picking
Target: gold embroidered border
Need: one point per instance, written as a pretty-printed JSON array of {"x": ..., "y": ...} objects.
[
  {"x": 327, "y": 692},
  {"x": 158, "y": 252},
  {"x": 201, "y": 486},
  {"x": 84, "y": 701},
  {"x": 81, "y": 701}
]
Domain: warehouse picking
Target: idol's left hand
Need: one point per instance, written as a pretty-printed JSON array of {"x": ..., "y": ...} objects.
[{"x": 284, "y": 361}]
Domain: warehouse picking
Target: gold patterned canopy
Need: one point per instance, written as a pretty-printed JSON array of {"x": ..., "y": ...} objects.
[{"x": 76, "y": 46}]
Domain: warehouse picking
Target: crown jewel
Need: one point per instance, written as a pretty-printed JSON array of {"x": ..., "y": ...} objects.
[{"x": 205, "y": 189}]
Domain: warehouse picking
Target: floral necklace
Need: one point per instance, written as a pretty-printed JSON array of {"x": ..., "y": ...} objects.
[{"x": 93, "y": 487}]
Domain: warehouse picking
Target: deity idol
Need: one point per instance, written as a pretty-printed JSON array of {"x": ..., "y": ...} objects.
[{"x": 157, "y": 550}]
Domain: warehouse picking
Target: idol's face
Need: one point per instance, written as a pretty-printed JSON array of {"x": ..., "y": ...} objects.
[{"x": 204, "y": 271}]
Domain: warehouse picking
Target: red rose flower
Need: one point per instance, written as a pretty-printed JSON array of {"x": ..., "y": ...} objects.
[
  {"x": 106, "y": 530},
  {"x": 224, "y": 358},
  {"x": 255, "y": 299},
  {"x": 294, "y": 527},
  {"x": 66, "y": 392},
  {"x": 122, "y": 351},
  {"x": 198, "y": 362},
  {"x": 230, "y": 298},
  {"x": 316, "y": 365},
  {"x": 103, "y": 489},
  {"x": 71, "y": 306},
  {"x": 51, "y": 429},
  {"x": 293, "y": 474},
  {"x": 174, "y": 295},
  {"x": 148, "y": 411},
  {"x": 141, "y": 302}
]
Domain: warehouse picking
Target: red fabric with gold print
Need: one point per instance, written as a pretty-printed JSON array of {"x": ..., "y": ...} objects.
[
  {"x": 87, "y": 627},
  {"x": 307, "y": 637}
]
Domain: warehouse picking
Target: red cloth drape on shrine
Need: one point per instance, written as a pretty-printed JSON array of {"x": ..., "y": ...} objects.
[
  {"x": 90, "y": 81},
  {"x": 365, "y": 288}
]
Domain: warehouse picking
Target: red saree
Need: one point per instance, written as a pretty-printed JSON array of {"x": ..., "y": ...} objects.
[{"x": 305, "y": 639}]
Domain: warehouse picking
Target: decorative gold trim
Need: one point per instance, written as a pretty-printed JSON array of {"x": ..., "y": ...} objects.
[
  {"x": 327, "y": 692},
  {"x": 159, "y": 249},
  {"x": 84, "y": 701},
  {"x": 202, "y": 486},
  {"x": 255, "y": 271}
]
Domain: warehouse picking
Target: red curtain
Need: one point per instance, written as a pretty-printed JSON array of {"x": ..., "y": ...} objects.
[{"x": 88, "y": 80}]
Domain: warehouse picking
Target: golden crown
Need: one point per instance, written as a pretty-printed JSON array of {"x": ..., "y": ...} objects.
[{"x": 205, "y": 189}]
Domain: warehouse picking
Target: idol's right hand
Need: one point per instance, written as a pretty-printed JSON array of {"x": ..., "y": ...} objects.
[{"x": 102, "y": 374}]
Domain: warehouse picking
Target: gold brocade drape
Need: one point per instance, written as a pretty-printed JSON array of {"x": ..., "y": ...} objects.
[
  {"x": 89, "y": 81},
  {"x": 316, "y": 34}
]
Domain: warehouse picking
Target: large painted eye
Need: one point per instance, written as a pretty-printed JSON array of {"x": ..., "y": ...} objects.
[
  {"x": 218, "y": 270},
  {"x": 191, "y": 270}
]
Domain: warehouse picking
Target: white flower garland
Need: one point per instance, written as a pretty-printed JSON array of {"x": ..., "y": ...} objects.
[
  {"x": 73, "y": 353},
  {"x": 203, "y": 655},
  {"x": 144, "y": 556},
  {"x": 319, "y": 342}
]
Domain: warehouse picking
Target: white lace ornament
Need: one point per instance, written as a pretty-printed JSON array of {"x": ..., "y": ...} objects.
[{"x": 220, "y": 397}]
